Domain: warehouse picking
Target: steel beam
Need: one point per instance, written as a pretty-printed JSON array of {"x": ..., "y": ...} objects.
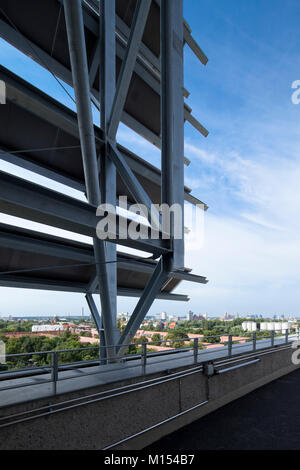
[
  {"x": 162, "y": 295},
  {"x": 23, "y": 94},
  {"x": 124, "y": 30},
  {"x": 77, "y": 50},
  {"x": 150, "y": 292},
  {"x": 78, "y": 57},
  {"x": 188, "y": 38},
  {"x": 98, "y": 322},
  {"x": 94, "y": 311},
  {"x": 32, "y": 242},
  {"x": 30, "y": 98},
  {"x": 31, "y": 201},
  {"x": 132, "y": 184},
  {"x": 94, "y": 65},
  {"x": 35, "y": 283},
  {"x": 172, "y": 112},
  {"x": 32, "y": 50},
  {"x": 61, "y": 71},
  {"x": 25, "y": 162},
  {"x": 29, "y": 241},
  {"x": 108, "y": 174},
  {"x": 59, "y": 210},
  {"x": 133, "y": 46},
  {"x": 23, "y": 282},
  {"x": 195, "y": 123}
]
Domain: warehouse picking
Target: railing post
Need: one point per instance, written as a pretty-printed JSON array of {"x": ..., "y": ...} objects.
[
  {"x": 272, "y": 337},
  {"x": 287, "y": 335},
  {"x": 229, "y": 345},
  {"x": 103, "y": 354},
  {"x": 254, "y": 341},
  {"x": 298, "y": 332},
  {"x": 196, "y": 349},
  {"x": 144, "y": 357},
  {"x": 54, "y": 371}
]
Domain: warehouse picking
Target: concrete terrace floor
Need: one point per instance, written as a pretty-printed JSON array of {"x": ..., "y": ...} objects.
[{"x": 265, "y": 419}]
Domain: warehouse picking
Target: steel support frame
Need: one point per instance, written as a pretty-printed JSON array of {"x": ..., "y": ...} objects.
[
  {"x": 79, "y": 66},
  {"x": 111, "y": 111},
  {"x": 22, "y": 282},
  {"x": 41, "y": 105},
  {"x": 31, "y": 201},
  {"x": 99, "y": 325},
  {"x": 154, "y": 285},
  {"x": 28, "y": 241},
  {"x": 94, "y": 311},
  {"x": 61, "y": 71},
  {"x": 160, "y": 274},
  {"x": 172, "y": 116},
  {"x": 172, "y": 111},
  {"x": 172, "y": 174},
  {"x": 108, "y": 174},
  {"x": 133, "y": 185},
  {"x": 128, "y": 64}
]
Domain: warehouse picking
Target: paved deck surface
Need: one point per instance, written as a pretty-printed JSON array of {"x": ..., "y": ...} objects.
[
  {"x": 20, "y": 390},
  {"x": 265, "y": 419}
]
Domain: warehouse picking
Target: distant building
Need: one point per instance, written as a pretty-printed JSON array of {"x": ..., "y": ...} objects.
[
  {"x": 163, "y": 316},
  {"x": 190, "y": 316},
  {"x": 198, "y": 318},
  {"x": 46, "y": 328},
  {"x": 278, "y": 327},
  {"x": 249, "y": 326}
]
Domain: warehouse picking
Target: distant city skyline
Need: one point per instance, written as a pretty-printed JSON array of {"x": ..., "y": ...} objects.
[{"x": 247, "y": 170}]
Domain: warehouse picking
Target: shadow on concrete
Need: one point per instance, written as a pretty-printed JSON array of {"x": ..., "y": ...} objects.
[{"x": 265, "y": 419}]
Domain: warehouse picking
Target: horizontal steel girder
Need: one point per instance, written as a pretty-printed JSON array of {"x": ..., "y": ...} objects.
[
  {"x": 28, "y": 241},
  {"x": 33, "y": 202},
  {"x": 46, "y": 108},
  {"x": 23, "y": 282},
  {"x": 146, "y": 73}
]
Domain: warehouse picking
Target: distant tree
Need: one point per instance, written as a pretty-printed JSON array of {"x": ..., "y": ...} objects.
[
  {"x": 156, "y": 337},
  {"x": 86, "y": 334},
  {"x": 141, "y": 339},
  {"x": 132, "y": 349},
  {"x": 176, "y": 334}
]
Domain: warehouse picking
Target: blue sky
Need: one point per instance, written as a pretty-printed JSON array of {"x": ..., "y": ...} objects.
[{"x": 247, "y": 170}]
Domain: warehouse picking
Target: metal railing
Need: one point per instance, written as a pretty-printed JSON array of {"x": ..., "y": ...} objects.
[
  {"x": 54, "y": 370},
  {"x": 70, "y": 404}
]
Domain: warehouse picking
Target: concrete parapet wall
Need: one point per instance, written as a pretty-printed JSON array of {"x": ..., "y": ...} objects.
[{"x": 102, "y": 423}]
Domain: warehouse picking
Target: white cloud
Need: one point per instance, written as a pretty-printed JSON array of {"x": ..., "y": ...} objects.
[{"x": 248, "y": 270}]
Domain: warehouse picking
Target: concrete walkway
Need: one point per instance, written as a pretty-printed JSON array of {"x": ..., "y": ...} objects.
[{"x": 20, "y": 390}]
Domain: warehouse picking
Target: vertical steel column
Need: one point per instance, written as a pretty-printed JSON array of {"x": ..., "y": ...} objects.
[
  {"x": 196, "y": 350},
  {"x": 272, "y": 337},
  {"x": 77, "y": 49},
  {"x": 144, "y": 358},
  {"x": 98, "y": 322},
  {"x": 172, "y": 115},
  {"x": 229, "y": 345},
  {"x": 108, "y": 175},
  {"x": 287, "y": 335},
  {"x": 54, "y": 371},
  {"x": 254, "y": 341}
]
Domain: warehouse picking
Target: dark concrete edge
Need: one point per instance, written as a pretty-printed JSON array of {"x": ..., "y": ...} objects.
[{"x": 138, "y": 443}]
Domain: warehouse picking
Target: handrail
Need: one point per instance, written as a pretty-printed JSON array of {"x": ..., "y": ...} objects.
[{"x": 54, "y": 368}]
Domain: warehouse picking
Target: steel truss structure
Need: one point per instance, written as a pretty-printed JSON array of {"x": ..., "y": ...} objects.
[{"x": 126, "y": 58}]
